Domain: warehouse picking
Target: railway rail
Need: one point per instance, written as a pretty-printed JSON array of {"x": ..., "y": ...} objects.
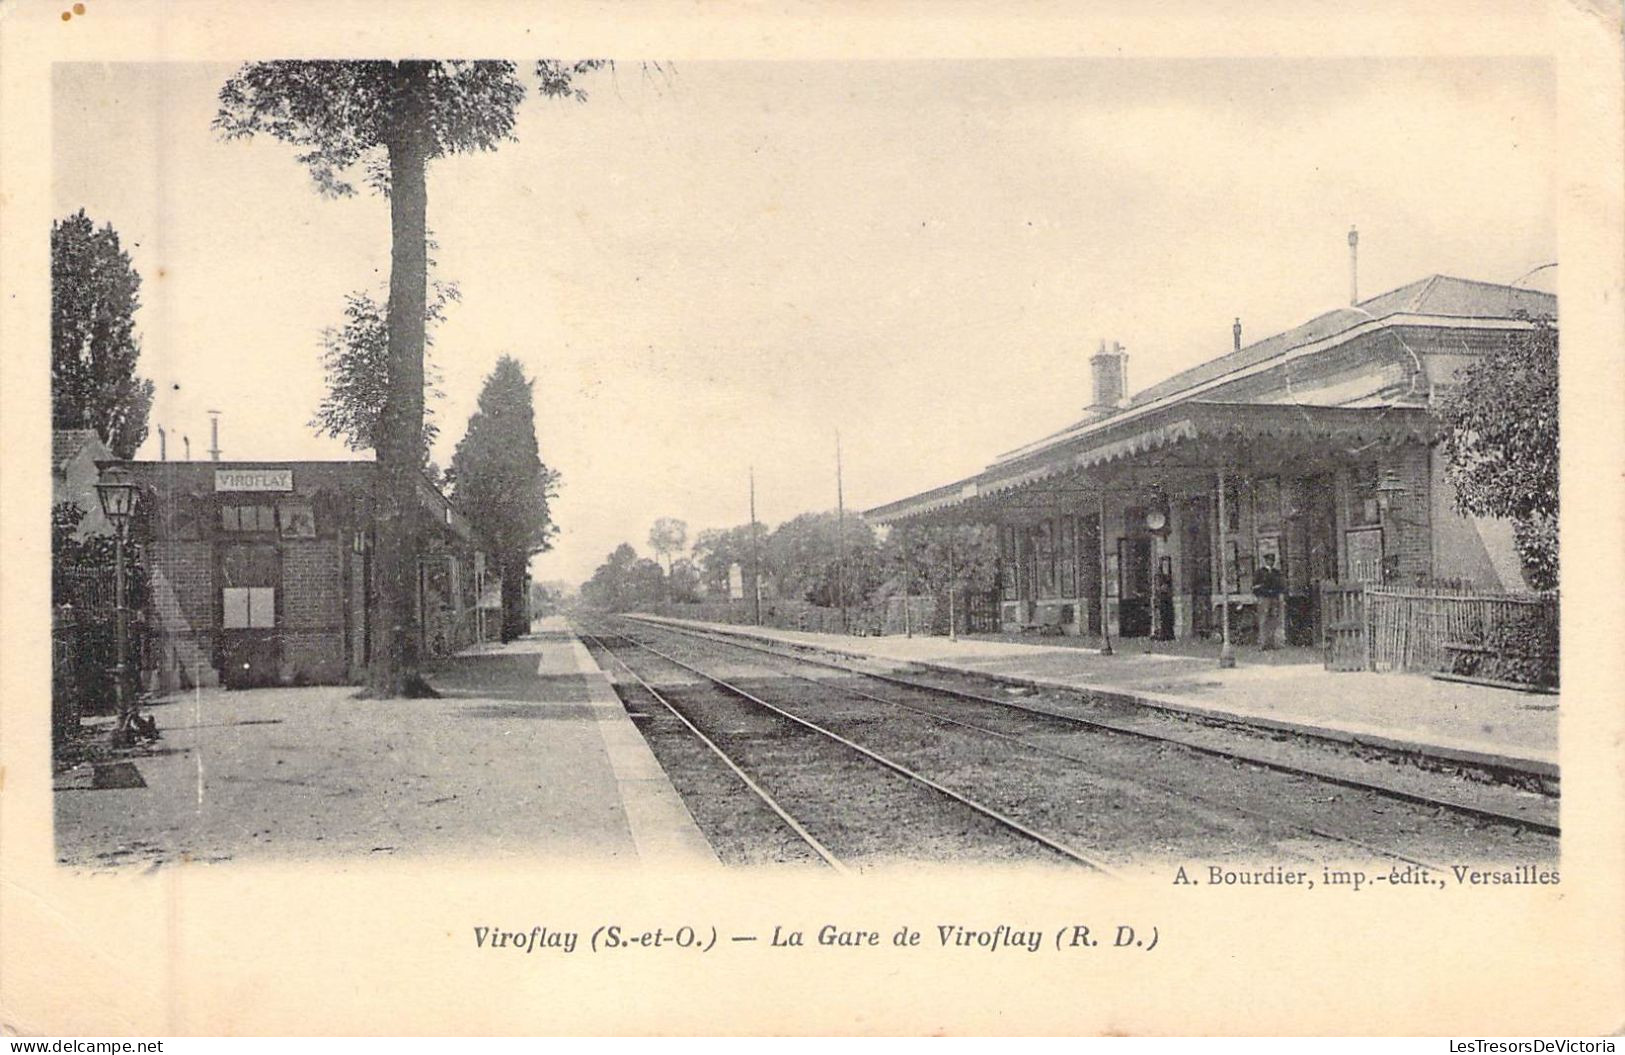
[
  {"x": 1528, "y": 820},
  {"x": 1266, "y": 794},
  {"x": 990, "y": 816}
]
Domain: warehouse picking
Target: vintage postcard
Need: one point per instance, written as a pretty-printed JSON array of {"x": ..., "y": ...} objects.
[{"x": 831, "y": 518}]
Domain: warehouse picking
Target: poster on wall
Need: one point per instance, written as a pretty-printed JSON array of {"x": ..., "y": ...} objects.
[{"x": 1365, "y": 555}]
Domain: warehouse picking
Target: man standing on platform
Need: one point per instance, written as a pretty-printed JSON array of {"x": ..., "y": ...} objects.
[{"x": 1268, "y": 586}]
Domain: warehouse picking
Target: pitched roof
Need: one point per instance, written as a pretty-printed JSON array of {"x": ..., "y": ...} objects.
[
  {"x": 66, "y": 443},
  {"x": 1438, "y": 295},
  {"x": 1434, "y": 295}
]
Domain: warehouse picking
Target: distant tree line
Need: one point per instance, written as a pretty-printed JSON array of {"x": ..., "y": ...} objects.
[{"x": 814, "y": 558}]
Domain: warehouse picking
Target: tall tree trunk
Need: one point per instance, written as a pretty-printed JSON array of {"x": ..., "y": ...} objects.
[
  {"x": 514, "y": 582},
  {"x": 399, "y": 443}
]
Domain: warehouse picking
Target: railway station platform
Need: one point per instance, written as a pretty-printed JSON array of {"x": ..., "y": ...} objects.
[
  {"x": 526, "y": 754},
  {"x": 1401, "y": 713}
]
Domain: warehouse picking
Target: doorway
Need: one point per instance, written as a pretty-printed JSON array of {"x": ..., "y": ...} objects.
[
  {"x": 250, "y": 649},
  {"x": 1134, "y": 605}
]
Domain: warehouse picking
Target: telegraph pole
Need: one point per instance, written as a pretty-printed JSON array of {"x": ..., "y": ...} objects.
[
  {"x": 840, "y": 536},
  {"x": 908, "y": 576},
  {"x": 755, "y": 555}
]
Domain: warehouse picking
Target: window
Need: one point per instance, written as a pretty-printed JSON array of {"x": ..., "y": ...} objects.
[
  {"x": 248, "y": 607},
  {"x": 1267, "y": 503},
  {"x": 1232, "y": 506},
  {"x": 248, "y": 518},
  {"x": 1364, "y": 511},
  {"x": 297, "y": 518}
]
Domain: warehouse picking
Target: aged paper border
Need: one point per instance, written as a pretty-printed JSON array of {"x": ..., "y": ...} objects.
[{"x": 364, "y": 947}]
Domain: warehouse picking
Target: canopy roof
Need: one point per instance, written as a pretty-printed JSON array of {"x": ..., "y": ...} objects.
[
  {"x": 1172, "y": 412},
  {"x": 1206, "y": 431}
]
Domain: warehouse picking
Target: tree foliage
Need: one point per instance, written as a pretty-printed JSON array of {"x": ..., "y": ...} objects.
[
  {"x": 716, "y": 550},
  {"x": 388, "y": 120},
  {"x": 355, "y": 362},
  {"x": 95, "y": 292},
  {"x": 342, "y": 114},
  {"x": 613, "y": 586},
  {"x": 816, "y": 558},
  {"x": 1499, "y": 435},
  {"x": 667, "y": 537},
  {"x": 500, "y": 482},
  {"x": 932, "y": 560}
]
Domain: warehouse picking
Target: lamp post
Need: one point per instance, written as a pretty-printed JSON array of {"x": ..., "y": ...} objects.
[{"x": 118, "y": 496}]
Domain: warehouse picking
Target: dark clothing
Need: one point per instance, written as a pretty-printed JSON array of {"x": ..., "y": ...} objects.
[
  {"x": 1268, "y": 586},
  {"x": 1267, "y": 582},
  {"x": 1165, "y": 609}
]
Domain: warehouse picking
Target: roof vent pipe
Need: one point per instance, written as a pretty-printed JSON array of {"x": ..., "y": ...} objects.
[{"x": 1235, "y": 333}]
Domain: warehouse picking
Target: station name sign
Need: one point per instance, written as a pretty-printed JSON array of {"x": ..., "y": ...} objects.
[{"x": 253, "y": 479}]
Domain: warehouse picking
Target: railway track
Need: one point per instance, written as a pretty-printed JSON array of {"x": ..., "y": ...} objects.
[
  {"x": 1281, "y": 796},
  {"x": 1526, "y": 820},
  {"x": 1179, "y": 794},
  {"x": 987, "y": 817}
]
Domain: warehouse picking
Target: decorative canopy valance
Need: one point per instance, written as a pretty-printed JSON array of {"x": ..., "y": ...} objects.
[{"x": 1215, "y": 427}]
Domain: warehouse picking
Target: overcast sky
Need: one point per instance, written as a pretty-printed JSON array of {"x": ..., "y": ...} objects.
[{"x": 720, "y": 264}]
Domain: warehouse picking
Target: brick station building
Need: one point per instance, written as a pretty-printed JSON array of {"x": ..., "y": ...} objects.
[
  {"x": 1315, "y": 445},
  {"x": 261, "y": 572}
]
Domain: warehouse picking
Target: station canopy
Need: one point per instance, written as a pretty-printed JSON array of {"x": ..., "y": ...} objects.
[{"x": 1179, "y": 448}]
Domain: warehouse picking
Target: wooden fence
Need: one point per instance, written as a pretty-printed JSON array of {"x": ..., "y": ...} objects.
[{"x": 1496, "y": 639}]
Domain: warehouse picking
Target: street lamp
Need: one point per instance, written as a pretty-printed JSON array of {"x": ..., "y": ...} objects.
[{"x": 118, "y": 497}]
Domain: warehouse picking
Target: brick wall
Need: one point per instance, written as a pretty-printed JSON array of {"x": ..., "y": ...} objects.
[
  {"x": 1408, "y": 527},
  {"x": 312, "y": 593},
  {"x": 188, "y": 568},
  {"x": 182, "y": 612},
  {"x": 312, "y": 657},
  {"x": 312, "y": 616}
]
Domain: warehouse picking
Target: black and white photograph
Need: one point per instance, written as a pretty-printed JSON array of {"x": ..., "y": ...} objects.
[
  {"x": 533, "y": 523},
  {"x": 1134, "y": 468}
]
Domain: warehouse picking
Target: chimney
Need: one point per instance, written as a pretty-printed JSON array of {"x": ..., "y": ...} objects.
[
  {"x": 1235, "y": 333},
  {"x": 1109, "y": 370},
  {"x": 163, "y": 448},
  {"x": 187, "y": 441},
  {"x": 1354, "y": 266},
  {"x": 214, "y": 435}
]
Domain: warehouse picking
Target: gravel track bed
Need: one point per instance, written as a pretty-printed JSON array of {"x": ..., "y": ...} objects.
[
  {"x": 1152, "y": 822},
  {"x": 740, "y": 827},
  {"x": 867, "y": 815}
]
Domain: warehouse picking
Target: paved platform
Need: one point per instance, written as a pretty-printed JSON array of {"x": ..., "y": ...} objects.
[
  {"x": 527, "y": 754},
  {"x": 1399, "y": 712}
]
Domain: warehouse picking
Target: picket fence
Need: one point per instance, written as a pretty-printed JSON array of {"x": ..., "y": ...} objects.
[{"x": 1492, "y": 638}]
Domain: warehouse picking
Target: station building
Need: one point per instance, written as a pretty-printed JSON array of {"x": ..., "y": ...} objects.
[
  {"x": 261, "y": 572},
  {"x": 1315, "y": 445}
]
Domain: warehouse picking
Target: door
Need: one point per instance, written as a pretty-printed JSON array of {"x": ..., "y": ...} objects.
[
  {"x": 250, "y": 581},
  {"x": 1343, "y": 616},
  {"x": 1134, "y": 609}
]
